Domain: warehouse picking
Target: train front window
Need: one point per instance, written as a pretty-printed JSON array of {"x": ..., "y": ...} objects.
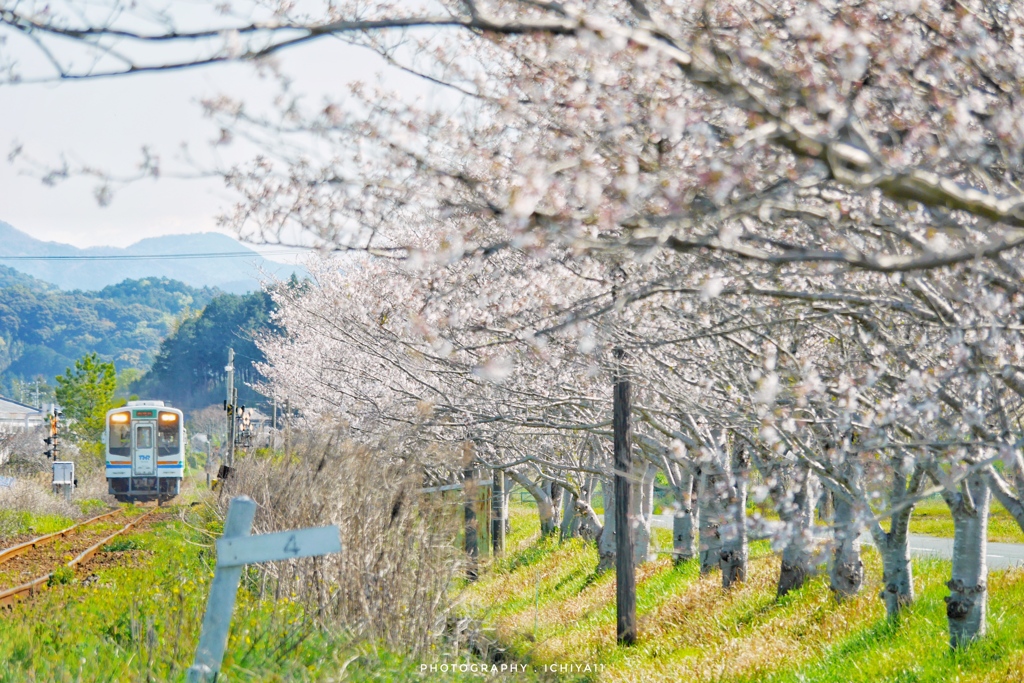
[
  {"x": 143, "y": 437},
  {"x": 168, "y": 434},
  {"x": 120, "y": 439}
]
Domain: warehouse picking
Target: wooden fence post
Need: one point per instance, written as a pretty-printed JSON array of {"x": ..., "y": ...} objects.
[
  {"x": 498, "y": 513},
  {"x": 625, "y": 575},
  {"x": 469, "y": 489}
]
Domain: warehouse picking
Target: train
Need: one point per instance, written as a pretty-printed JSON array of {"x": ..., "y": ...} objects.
[{"x": 145, "y": 450}]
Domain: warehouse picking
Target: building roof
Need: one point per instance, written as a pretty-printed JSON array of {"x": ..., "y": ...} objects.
[{"x": 9, "y": 408}]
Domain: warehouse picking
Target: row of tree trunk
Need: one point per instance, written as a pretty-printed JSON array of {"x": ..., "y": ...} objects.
[{"x": 711, "y": 525}]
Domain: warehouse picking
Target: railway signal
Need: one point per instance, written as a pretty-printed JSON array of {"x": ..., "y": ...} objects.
[{"x": 53, "y": 440}]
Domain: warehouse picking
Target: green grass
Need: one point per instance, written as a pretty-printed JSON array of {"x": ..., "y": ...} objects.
[
  {"x": 136, "y": 616},
  {"x": 121, "y": 544},
  {"x": 91, "y": 507},
  {"x": 932, "y": 517},
  {"x": 546, "y": 606},
  {"x": 20, "y": 523}
]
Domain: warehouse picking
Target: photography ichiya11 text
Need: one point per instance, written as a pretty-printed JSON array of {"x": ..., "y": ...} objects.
[{"x": 484, "y": 668}]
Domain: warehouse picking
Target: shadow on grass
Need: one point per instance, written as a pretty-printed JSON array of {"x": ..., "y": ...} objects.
[
  {"x": 574, "y": 576},
  {"x": 530, "y": 555}
]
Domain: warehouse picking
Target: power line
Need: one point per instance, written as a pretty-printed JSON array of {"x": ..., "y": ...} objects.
[{"x": 146, "y": 257}]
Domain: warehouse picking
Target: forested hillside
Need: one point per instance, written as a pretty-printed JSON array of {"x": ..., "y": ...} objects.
[
  {"x": 189, "y": 368},
  {"x": 43, "y": 330}
]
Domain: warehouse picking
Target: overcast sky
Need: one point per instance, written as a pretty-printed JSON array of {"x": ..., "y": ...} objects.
[{"x": 106, "y": 122}]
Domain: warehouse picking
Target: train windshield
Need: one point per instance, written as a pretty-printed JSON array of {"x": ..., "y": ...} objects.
[
  {"x": 144, "y": 436},
  {"x": 120, "y": 441},
  {"x": 169, "y": 434}
]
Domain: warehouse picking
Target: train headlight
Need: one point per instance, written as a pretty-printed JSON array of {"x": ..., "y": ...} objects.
[
  {"x": 168, "y": 417},
  {"x": 119, "y": 417}
]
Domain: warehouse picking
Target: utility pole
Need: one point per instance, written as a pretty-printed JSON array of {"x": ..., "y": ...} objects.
[{"x": 229, "y": 406}]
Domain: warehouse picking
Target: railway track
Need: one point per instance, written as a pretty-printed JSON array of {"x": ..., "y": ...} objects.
[{"x": 53, "y": 555}]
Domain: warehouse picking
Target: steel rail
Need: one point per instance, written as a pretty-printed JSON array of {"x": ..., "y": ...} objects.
[
  {"x": 21, "y": 548},
  {"x": 18, "y": 592}
]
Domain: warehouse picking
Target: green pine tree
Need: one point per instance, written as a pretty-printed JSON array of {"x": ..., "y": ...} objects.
[{"x": 85, "y": 394}]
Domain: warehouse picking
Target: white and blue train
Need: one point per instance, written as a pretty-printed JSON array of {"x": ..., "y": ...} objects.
[{"x": 145, "y": 448}]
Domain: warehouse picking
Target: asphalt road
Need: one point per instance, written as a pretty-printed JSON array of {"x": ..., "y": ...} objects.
[{"x": 1000, "y": 555}]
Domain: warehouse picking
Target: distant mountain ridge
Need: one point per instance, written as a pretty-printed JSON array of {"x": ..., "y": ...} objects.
[
  {"x": 230, "y": 274},
  {"x": 43, "y": 329}
]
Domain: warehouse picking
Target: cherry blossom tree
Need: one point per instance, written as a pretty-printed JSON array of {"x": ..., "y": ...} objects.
[{"x": 801, "y": 221}]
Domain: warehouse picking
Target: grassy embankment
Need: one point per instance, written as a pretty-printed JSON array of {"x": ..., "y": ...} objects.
[
  {"x": 134, "y": 614},
  {"x": 547, "y": 606}
]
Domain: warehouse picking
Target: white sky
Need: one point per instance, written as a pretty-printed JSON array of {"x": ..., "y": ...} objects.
[{"x": 106, "y": 122}]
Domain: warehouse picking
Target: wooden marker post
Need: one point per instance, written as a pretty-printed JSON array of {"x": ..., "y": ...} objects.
[
  {"x": 625, "y": 575},
  {"x": 235, "y": 549},
  {"x": 498, "y": 514},
  {"x": 470, "y": 490}
]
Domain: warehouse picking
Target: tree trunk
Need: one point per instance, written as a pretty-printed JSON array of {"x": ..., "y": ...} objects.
[
  {"x": 684, "y": 522},
  {"x": 590, "y": 525},
  {"x": 846, "y": 573},
  {"x": 735, "y": 549},
  {"x": 798, "y": 556},
  {"x": 710, "y": 539},
  {"x": 545, "y": 508},
  {"x": 606, "y": 544},
  {"x": 897, "y": 578},
  {"x": 897, "y": 572},
  {"x": 508, "y": 499},
  {"x": 827, "y": 506},
  {"x": 642, "y": 505},
  {"x": 570, "y": 522},
  {"x": 968, "y": 586},
  {"x": 554, "y": 493}
]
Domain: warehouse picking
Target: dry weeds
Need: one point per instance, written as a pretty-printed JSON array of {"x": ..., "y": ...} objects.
[{"x": 390, "y": 584}]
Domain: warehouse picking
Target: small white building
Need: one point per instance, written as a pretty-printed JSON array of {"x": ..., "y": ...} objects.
[{"x": 15, "y": 415}]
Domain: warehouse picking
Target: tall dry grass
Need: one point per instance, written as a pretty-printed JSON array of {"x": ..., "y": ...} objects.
[
  {"x": 33, "y": 496},
  {"x": 391, "y": 582}
]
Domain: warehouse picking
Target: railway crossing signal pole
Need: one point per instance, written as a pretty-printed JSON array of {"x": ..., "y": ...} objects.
[{"x": 625, "y": 573}]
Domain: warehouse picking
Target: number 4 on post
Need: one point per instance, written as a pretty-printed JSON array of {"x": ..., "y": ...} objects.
[{"x": 235, "y": 549}]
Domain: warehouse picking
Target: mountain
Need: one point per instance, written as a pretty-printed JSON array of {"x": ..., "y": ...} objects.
[
  {"x": 189, "y": 367},
  {"x": 43, "y": 329},
  {"x": 237, "y": 274}
]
